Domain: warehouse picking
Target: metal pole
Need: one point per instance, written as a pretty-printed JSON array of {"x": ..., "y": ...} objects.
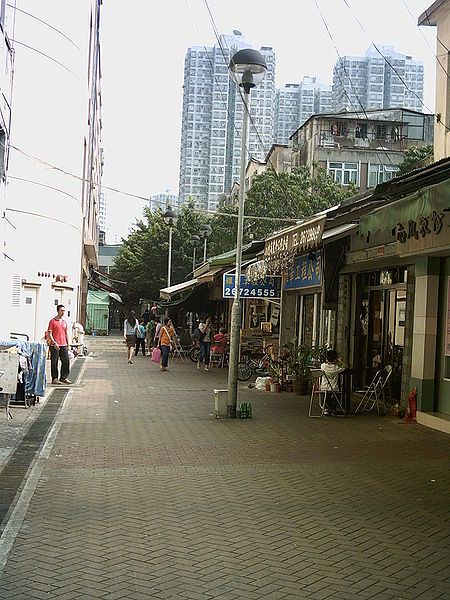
[
  {"x": 236, "y": 308},
  {"x": 193, "y": 261},
  {"x": 204, "y": 250},
  {"x": 169, "y": 262}
]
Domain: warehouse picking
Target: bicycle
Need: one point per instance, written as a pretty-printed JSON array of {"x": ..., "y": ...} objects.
[{"x": 250, "y": 366}]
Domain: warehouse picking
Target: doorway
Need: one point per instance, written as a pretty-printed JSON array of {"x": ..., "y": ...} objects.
[
  {"x": 386, "y": 333},
  {"x": 380, "y": 325},
  {"x": 29, "y": 311}
]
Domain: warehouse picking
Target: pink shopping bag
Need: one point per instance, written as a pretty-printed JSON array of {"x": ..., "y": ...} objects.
[{"x": 156, "y": 355}]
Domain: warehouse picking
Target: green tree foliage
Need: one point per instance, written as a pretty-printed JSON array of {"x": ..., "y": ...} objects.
[
  {"x": 413, "y": 156},
  {"x": 289, "y": 195},
  {"x": 142, "y": 258}
]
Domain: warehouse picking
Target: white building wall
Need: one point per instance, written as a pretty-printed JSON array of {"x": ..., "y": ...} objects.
[
  {"x": 44, "y": 205},
  {"x": 7, "y": 15}
]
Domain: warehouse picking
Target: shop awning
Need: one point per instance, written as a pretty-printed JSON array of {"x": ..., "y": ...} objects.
[
  {"x": 208, "y": 277},
  {"x": 339, "y": 231},
  {"x": 169, "y": 292}
]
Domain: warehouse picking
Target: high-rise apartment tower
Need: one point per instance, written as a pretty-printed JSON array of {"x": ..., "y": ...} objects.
[
  {"x": 212, "y": 121},
  {"x": 371, "y": 82}
]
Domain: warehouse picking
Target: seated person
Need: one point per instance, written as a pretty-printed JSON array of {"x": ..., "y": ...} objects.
[
  {"x": 220, "y": 342},
  {"x": 332, "y": 367}
]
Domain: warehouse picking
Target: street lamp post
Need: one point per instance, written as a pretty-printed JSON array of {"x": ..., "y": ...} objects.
[
  {"x": 247, "y": 68},
  {"x": 205, "y": 232},
  {"x": 194, "y": 239},
  {"x": 170, "y": 218}
]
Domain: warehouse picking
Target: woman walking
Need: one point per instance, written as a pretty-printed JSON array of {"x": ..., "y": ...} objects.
[
  {"x": 167, "y": 333},
  {"x": 130, "y": 334},
  {"x": 205, "y": 343}
]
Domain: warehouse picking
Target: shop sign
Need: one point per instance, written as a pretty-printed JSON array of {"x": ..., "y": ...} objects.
[
  {"x": 420, "y": 227},
  {"x": 292, "y": 241},
  {"x": 306, "y": 271},
  {"x": 269, "y": 287}
]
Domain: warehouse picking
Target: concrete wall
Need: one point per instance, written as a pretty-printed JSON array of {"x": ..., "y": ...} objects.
[
  {"x": 441, "y": 129},
  {"x": 44, "y": 204}
]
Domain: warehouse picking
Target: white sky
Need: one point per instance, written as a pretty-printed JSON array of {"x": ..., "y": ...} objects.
[{"x": 143, "y": 62}]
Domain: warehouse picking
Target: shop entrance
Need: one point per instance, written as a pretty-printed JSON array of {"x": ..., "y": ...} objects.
[{"x": 381, "y": 327}]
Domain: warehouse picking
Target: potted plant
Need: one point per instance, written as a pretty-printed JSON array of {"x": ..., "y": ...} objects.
[
  {"x": 301, "y": 358},
  {"x": 274, "y": 370}
]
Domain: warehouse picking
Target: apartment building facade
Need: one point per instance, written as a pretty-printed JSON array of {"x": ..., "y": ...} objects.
[
  {"x": 212, "y": 121},
  {"x": 295, "y": 103},
  {"x": 357, "y": 149},
  {"x": 370, "y": 82},
  {"x": 163, "y": 200}
]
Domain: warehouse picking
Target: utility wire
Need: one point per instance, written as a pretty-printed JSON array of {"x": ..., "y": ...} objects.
[
  {"x": 45, "y": 23},
  {"x": 227, "y": 57},
  {"x": 388, "y": 62},
  {"x": 123, "y": 192},
  {"x": 425, "y": 38},
  {"x": 49, "y": 57},
  {"x": 440, "y": 41},
  {"x": 341, "y": 62}
]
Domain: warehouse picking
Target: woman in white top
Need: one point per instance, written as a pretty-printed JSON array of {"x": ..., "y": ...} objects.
[{"x": 129, "y": 333}]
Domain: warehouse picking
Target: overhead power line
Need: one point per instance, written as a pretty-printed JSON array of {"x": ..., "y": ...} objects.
[
  {"x": 388, "y": 62},
  {"x": 349, "y": 79},
  {"x": 425, "y": 38},
  {"x": 49, "y": 58},
  {"x": 45, "y": 23},
  {"x": 119, "y": 191}
]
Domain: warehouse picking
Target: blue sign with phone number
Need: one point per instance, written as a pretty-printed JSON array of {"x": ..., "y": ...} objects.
[{"x": 269, "y": 288}]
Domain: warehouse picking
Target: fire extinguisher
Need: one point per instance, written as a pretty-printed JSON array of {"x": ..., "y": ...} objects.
[{"x": 412, "y": 405}]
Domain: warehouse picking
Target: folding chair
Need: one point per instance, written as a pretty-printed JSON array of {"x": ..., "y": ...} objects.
[
  {"x": 373, "y": 394},
  {"x": 178, "y": 351},
  {"x": 329, "y": 400}
]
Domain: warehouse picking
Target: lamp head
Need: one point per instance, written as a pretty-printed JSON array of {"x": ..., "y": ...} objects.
[
  {"x": 248, "y": 68},
  {"x": 170, "y": 216},
  {"x": 205, "y": 231}
]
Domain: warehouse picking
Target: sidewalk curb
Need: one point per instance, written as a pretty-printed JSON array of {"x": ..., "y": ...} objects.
[{"x": 25, "y": 495}]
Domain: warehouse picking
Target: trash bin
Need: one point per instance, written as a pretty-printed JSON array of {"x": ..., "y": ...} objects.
[{"x": 220, "y": 403}]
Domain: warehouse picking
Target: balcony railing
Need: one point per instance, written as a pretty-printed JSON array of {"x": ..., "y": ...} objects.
[{"x": 369, "y": 140}]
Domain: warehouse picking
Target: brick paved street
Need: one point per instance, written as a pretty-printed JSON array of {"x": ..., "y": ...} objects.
[{"x": 145, "y": 495}]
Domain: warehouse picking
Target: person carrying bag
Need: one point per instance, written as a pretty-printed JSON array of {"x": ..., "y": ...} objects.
[{"x": 166, "y": 335}]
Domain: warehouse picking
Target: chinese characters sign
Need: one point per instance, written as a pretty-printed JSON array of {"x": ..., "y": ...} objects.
[
  {"x": 305, "y": 272},
  {"x": 269, "y": 287},
  {"x": 295, "y": 239},
  {"x": 419, "y": 228}
]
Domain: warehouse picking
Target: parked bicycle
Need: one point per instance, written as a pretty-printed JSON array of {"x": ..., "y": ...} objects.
[{"x": 250, "y": 366}]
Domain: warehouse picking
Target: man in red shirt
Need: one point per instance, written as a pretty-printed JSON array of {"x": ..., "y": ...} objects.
[{"x": 59, "y": 346}]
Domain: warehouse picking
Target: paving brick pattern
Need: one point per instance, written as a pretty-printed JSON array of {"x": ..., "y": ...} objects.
[{"x": 145, "y": 495}]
